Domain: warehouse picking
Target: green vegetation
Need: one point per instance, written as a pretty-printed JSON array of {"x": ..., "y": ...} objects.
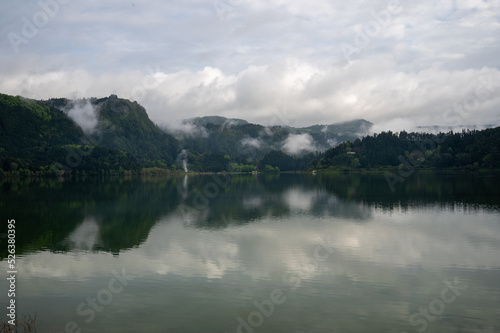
[
  {"x": 32, "y": 135},
  {"x": 40, "y": 138},
  {"x": 284, "y": 162},
  {"x": 130, "y": 129},
  {"x": 269, "y": 168},
  {"x": 234, "y": 167},
  {"x": 244, "y": 141},
  {"x": 467, "y": 150}
]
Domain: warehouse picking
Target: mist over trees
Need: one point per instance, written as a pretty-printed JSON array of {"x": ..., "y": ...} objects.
[{"x": 115, "y": 136}]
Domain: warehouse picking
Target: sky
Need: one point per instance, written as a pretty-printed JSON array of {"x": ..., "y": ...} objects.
[{"x": 399, "y": 64}]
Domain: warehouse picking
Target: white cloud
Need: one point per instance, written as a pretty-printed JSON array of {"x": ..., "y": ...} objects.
[
  {"x": 296, "y": 144},
  {"x": 271, "y": 62},
  {"x": 186, "y": 129},
  {"x": 252, "y": 143},
  {"x": 395, "y": 125},
  {"x": 84, "y": 114},
  {"x": 261, "y": 95}
]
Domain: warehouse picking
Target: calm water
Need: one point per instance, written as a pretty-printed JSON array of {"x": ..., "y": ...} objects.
[{"x": 281, "y": 253}]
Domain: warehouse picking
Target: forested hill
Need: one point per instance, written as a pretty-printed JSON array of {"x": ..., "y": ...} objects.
[
  {"x": 242, "y": 140},
  {"x": 463, "y": 150},
  {"x": 91, "y": 135},
  {"x": 116, "y": 136}
]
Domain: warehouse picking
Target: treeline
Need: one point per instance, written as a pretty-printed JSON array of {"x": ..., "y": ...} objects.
[
  {"x": 274, "y": 161},
  {"x": 467, "y": 149},
  {"x": 284, "y": 162}
]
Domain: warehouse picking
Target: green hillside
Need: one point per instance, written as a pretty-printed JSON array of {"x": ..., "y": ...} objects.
[
  {"x": 126, "y": 126},
  {"x": 33, "y": 135},
  {"x": 38, "y": 136},
  {"x": 244, "y": 141},
  {"x": 466, "y": 150},
  {"x": 115, "y": 136}
]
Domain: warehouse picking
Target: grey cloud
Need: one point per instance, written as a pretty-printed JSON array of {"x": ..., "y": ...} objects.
[
  {"x": 310, "y": 97},
  {"x": 269, "y": 60}
]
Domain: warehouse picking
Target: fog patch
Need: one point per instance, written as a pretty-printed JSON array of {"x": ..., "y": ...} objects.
[
  {"x": 266, "y": 131},
  {"x": 333, "y": 142},
  {"x": 458, "y": 128},
  {"x": 414, "y": 125},
  {"x": 297, "y": 144},
  {"x": 230, "y": 123},
  {"x": 252, "y": 143},
  {"x": 83, "y": 113},
  {"x": 185, "y": 130},
  {"x": 394, "y": 125}
]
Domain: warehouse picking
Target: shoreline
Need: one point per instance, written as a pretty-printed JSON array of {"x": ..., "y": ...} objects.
[{"x": 157, "y": 173}]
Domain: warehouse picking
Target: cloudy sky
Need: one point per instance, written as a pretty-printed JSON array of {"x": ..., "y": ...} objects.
[{"x": 398, "y": 64}]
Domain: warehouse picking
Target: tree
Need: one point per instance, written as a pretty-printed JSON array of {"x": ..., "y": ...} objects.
[
  {"x": 355, "y": 163},
  {"x": 269, "y": 168}
]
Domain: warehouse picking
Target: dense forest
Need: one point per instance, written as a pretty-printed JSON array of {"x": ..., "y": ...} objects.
[
  {"x": 117, "y": 137},
  {"x": 244, "y": 141},
  {"x": 466, "y": 149},
  {"x": 39, "y": 137}
]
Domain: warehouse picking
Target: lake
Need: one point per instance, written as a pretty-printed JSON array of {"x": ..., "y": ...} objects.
[{"x": 256, "y": 253}]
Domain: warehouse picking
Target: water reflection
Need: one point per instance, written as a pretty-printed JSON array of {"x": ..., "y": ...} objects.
[
  {"x": 93, "y": 215},
  {"x": 360, "y": 257},
  {"x": 86, "y": 236},
  {"x": 117, "y": 214},
  {"x": 290, "y": 214}
]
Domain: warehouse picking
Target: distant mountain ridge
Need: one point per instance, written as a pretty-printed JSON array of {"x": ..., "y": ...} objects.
[
  {"x": 215, "y": 120},
  {"x": 243, "y": 140},
  {"x": 354, "y": 126}
]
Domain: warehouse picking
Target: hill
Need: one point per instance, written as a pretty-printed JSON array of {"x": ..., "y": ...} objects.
[
  {"x": 246, "y": 142},
  {"x": 353, "y": 128},
  {"x": 92, "y": 135},
  {"x": 466, "y": 150},
  {"x": 215, "y": 120},
  {"x": 113, "y": 135}
]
